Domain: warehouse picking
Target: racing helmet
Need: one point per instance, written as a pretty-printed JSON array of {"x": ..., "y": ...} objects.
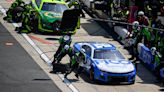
[
  {"x": 66, "y": 38},
  {"x": 66, "y": 47},
  {"x": 135, "y": 24},
  {"x": 82, "y": 51},
  {"x": 153, "y": 50},
  {"x": 27, "y": 7},
  {"x": 160, "y": 33},
  {"x": 140, "y": 13}
]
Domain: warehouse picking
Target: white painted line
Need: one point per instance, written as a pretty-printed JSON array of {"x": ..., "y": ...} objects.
[
  {"x": 38, "y": 50},
  {"x": 43, "y": 56},
  {"x": 3, "y": 10}
]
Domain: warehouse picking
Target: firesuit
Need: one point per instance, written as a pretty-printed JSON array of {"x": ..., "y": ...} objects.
[
  {"x": 76, "y": 61},
  {"x": 25, "y": 28},
  {"x": 13, "y": 6},
  {"x": 77, "y": 6},
  {"x": 160, "y": 43},
  {"x": 60, "y": 53},
  {"x": 147, "y": 36},
  {"x": 137, "y": 37},
  {"x": 157, "y": 62}
]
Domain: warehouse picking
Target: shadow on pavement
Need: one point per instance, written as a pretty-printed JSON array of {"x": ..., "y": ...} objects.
[
  {"x": 161, "y": 90},
  {"x": 146, "y": 76},
  {"x": 85, "y": 77},
  {"x": 52, "y": 38}
]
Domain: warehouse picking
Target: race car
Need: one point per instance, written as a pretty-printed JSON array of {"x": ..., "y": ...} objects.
[
  {"x": 49, "y": 14},
  {"x": 103, "y": 62}
]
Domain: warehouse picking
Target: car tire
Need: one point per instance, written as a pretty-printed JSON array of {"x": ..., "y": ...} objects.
[
  {"x": 132, "y": 82},
  {"x": 17, "y": 14},
  {"x": 91, "y": 74},
  {"x": 56, "y": 25}
]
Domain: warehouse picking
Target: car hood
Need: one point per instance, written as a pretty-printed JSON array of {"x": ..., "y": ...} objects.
[
  {"x": 121, "y": 66},
  {"x": 49, "y": 16}
]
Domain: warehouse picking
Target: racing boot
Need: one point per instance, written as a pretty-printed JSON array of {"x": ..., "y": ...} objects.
[
  {"x": 5, "y": 18},
  {"x": 17, "y": 29},
  {"x": 54, "y": 61},
  {"x": 132, "y": 57},
  {"x": 77, "y": 76},
  {"x": 66, "y": 74},
  {"x": 23, "y": 31},
  {"x": 8, "y": 19}
]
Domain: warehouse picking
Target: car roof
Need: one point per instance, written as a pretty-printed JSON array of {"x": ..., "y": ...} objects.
[
  {"x": 101, "y": 45},
  {"x": 51, "y": 1}
]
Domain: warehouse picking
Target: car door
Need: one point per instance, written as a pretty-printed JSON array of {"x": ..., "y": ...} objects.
[{"x": 87, "y": 61}]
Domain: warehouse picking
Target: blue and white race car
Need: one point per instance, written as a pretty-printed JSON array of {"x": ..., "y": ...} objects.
[{"x": 105, "y": 63}]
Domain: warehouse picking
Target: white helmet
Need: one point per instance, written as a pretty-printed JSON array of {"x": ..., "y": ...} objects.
[
  {"x": 153, "y": 49},
  {"x": 140, "y": 13},
  {"x": 66, "y": 47},
  {"x": 135, "y": 24},
  {"x": 82, "y": 50}
]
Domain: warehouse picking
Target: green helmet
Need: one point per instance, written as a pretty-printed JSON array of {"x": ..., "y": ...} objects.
[
  {"x": 14, "y": 4},
  {"x": 27, "y": 7}
]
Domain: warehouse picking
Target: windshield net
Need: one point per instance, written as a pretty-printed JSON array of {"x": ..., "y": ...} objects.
[
  {"x": 108, "y": 54},
  {"x": 58, "y": 8}
]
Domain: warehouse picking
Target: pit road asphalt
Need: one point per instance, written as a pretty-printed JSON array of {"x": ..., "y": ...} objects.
[{"x": 18, "y": 71}]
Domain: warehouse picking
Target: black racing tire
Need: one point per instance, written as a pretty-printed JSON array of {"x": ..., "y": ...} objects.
[
  {"x": 17, "y": 14},
  {"x": 133, "y": 82},
  {"x": 91, "y": 74},
  {"x": 56, "y": 25}
]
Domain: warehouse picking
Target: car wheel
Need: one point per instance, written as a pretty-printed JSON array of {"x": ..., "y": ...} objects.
[
  {"x": 17, "y": 14},
  {"x": 56, "y": 25},
  {"x": 132, "y": 82},
  {"x": 91, "y": 74}
]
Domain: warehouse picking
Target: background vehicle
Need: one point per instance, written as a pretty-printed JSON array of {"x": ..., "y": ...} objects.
[
  {"x": 105, "y": 63},
  {"x": 49, "y": 14}
]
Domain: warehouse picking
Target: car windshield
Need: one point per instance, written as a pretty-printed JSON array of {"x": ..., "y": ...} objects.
[
  {"x": 108, "y": 54},
  {"x": 58, "y": 8}
]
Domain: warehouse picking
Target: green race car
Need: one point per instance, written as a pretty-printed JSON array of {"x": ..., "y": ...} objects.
[{"x": 49, "y": 14}]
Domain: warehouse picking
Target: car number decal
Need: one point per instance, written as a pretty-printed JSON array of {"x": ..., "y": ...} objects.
[
  {"x": 102, "y": 45},
  {"x": 52, "y": 15}
]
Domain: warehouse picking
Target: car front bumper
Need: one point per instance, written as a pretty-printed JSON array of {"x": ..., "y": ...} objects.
[{"x": 115, "y": 77}]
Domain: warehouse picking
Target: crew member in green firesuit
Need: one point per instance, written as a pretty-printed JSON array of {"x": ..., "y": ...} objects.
[
  {"x": 160, "y": 42},
  {"x": 77, "y": 6},
  {"x": 60, "y": 53},
  {"x": 136, "y": 36},
  {"x": 76, "y": 60},
  {"x": 13, "y": 6},
  {"x": 157, "y": 62},
  {"x": 25, "y": 28}
]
